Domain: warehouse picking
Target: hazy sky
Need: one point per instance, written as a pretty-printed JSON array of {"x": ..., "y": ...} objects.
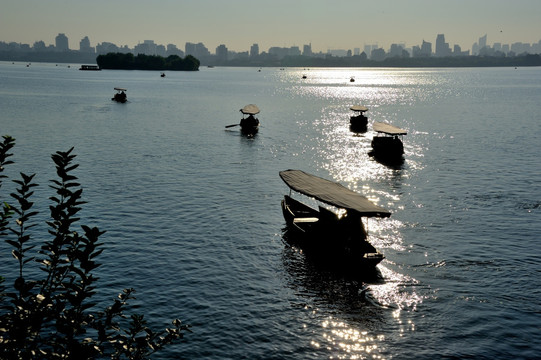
[{"x": 326, "y": 24}]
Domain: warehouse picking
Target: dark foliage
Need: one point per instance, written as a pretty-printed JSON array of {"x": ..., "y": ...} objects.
[
  {"x": 128, "y": 61},
  {"x": 53, "y": 317}
]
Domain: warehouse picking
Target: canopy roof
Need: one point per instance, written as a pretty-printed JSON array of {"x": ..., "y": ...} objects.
[
  {"x": 331, "y": 193},
  {"x": 359, "y": 108},
  {"x": 388, "y": 129},
  {"x": 120, "y": 89},
  {"x": 250, "y": 109}
]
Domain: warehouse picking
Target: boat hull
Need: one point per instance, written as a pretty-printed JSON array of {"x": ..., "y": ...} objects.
[
  {"x": 338, "y": 240},
  {"x": 387, "y": 147},
  {"x": 249, "y": 125}
]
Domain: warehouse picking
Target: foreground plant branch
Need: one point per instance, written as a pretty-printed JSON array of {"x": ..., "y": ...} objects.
[{"x": 53, "y": 317}]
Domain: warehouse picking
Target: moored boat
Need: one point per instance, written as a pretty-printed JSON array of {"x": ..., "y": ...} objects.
[
  {"x": 90, "y": 68},
  {"x": 120, "y": 95},
  {"x": 359, "y": 121},
  {"x": 249, "y": 125},
  {"x": 338, "y": 235},
  {"x": 386, "y": 144}
]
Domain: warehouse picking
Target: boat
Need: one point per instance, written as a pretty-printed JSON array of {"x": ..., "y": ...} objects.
[
  {"x": 358, "y": 121},
  {"x": 162, "y": 74},
  {"x": 338, "y": 234},
  {"x": 249, "y": 125},
  {"x": 352, "y": 79},
  {"x": 387, "y": 144},
  {"x": 89, "y": 68},
  {"x": 120, "y": 95}
]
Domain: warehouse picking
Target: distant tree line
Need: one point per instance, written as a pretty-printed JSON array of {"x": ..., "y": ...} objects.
[
  {"x": 362, "y": 61},
  {"x": 120, "y": 61}
]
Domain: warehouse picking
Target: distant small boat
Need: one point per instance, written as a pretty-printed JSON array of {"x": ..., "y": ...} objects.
[
  {"x": 304, "y": 76},
  {"x": 358, "y": 122},
  {"x": 386, "y": 144},
  {"x": 352, "y": 79},
  {"x": 120, "y": 95},
  {"x": 162, "y": 74},
  {"x": 90, "y": 68}
]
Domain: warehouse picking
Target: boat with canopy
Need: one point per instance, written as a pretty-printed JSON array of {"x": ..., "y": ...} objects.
[
  {"x": 120, "y": 95},
  {"x": 336, "y": 232},
  {"x": 358, "y": 121},
  {"x": 249, "y": 124},
  {"x": 387, "y": 144}
]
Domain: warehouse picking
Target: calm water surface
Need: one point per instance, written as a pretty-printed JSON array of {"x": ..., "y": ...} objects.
[{"x": 192, "y": 210}]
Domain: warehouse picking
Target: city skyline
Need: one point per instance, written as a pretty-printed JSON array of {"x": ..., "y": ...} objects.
[
  {"x": 342, "y": 24},
  {"x": 441, "y": 47}
]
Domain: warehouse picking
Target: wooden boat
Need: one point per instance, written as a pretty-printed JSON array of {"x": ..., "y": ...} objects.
[
  {"x": 358, "y": 122},
  {"x": 386, "y": 144},
  {"x": 338, "y": 235},
  {"x": 120, "y": 95},
  {"x": 249, "y": 125}
]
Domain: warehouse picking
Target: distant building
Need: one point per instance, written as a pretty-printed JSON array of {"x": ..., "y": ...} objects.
[
  {"x": 482, "y": 41},
  {"x": 196, "y": 50},
  {"x": 84, "y": 45},
  {"x": 161, "y": 51},
  {"x": 397, "y": 50},
  {"x": 254, "y": 50},
  {"x": 107, "y": 47},
  {"x": 39, "y": 46},
  {"x": 457, "y": 51},
  {"x": 279, "y": 52},
  {"x": 221, "y": 53},
  {"x": 424, "y": 51},
  {"x": 61, "y": 42},
  {"x": 338, "y": 52},
  {"x": 148, "y": 47},
  {"x": 368, "y": 49},
  {"x": 377, "y": 54},
  {"x": 307, "y": 50},
  {"x": 294, "y": 51},
  {"x": 442, "y": 48},
  {"x": 173, "y": 50}
]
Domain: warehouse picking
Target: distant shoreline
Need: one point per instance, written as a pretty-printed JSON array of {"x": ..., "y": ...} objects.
[{"x": 305, "y": 61}]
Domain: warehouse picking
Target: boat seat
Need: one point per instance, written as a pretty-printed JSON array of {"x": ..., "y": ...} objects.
[{"x": 305, "y": 220}]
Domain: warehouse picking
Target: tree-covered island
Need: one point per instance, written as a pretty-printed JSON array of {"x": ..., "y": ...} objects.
[{"x": 120, "y": 61}]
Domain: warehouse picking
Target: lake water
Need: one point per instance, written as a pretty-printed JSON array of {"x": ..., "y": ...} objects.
[{"x": 193, "y": 219}]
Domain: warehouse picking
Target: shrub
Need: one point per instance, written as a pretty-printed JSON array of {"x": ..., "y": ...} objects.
[{"x": 53, "y": 317}]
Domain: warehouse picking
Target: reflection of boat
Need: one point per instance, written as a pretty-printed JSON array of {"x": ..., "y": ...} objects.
[
  {"x": 358, "y": 121},
  {"x": 339, "y": 236},
  {"x": 120, "y": 95},
  {"x": 89, "y": 67},
  {"x": 387, "y": 145},
  {"x": 249, "y": 125}
]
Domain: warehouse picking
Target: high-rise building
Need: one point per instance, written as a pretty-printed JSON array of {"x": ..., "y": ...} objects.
[
  {"x": 307, "y": 50},
  {"x": 221, "y": 53},
  {"x": 482, "y": 41},
  {"x": 61, "y": 42},
  {"x": 84, "y": 45},
  {"x": 426, "y": 49},
  {"x": 442, "y": 48},
  {"x": 254, "y": 50}
]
